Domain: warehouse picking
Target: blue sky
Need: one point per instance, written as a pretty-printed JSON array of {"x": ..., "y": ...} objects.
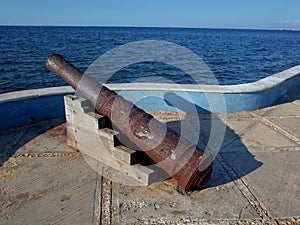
[{"x": 270, "y": 14}]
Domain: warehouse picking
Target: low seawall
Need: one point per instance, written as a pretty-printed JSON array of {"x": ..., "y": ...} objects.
[
  {"x": 213, "y": 98},
  {"x": 30, "y": 106}
]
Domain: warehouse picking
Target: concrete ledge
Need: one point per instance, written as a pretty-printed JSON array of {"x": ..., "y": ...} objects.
[
  {"x": 25, "y": 107},
  {"x": 212, "y": 98},
  {"x": 34, "y": 93}
]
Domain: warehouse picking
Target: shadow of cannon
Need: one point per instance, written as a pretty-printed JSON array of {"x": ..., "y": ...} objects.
[{"x": 227, "y": 154}]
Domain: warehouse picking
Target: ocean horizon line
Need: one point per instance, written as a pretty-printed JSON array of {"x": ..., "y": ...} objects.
[{"x": 160, "y": 27}]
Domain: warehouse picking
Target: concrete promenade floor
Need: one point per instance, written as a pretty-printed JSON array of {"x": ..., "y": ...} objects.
[{"x": 255, "y": 180}]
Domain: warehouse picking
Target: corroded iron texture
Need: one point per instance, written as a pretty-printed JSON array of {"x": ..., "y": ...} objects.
[{"x": 182, "y": 160}]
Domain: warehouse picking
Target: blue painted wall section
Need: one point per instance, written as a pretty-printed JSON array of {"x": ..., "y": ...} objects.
[
  {"x": 211, "y": 102},
  {"x": 263, "y": 99},
  {"x": 19, "y": 113},
  {"x": 14, "y": 112}
]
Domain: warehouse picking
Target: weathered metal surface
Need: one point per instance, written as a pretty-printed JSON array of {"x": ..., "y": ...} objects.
[{"x": 182, "y": 160}]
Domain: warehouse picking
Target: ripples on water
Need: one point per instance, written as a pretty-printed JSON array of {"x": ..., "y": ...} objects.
[{"x": 234, "y": 56}]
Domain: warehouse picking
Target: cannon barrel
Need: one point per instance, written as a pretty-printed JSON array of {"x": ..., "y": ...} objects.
[{"x": 182, "y": 160}]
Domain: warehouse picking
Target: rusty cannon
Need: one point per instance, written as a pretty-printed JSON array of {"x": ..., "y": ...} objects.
[{"x": 179, "y": 158}]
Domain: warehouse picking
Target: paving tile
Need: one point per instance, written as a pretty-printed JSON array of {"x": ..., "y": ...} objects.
[
  {"x": 238, "y": 126},
  {"x": 233, "y": 130},
  {"x": 10, "y": 140},
  {"x": 287, "y": 109},
  {"x": 289, "y": 124},
  {"x": 259, "y": 137},
  {"x": 46, "y": 136},
  {"x": 276, "y": 183},
  {"x": 61, "y": 190},
  {"x": 236, "y": 116},
  {"x": 297, "y": 102},
  {"x": 247, "y": 162},
  {"x": 216, "y": 132},
  {"x": 47, "y": 191},
  {"x": 52, "y": 141},
  {"x": 220, "y": 199}
]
